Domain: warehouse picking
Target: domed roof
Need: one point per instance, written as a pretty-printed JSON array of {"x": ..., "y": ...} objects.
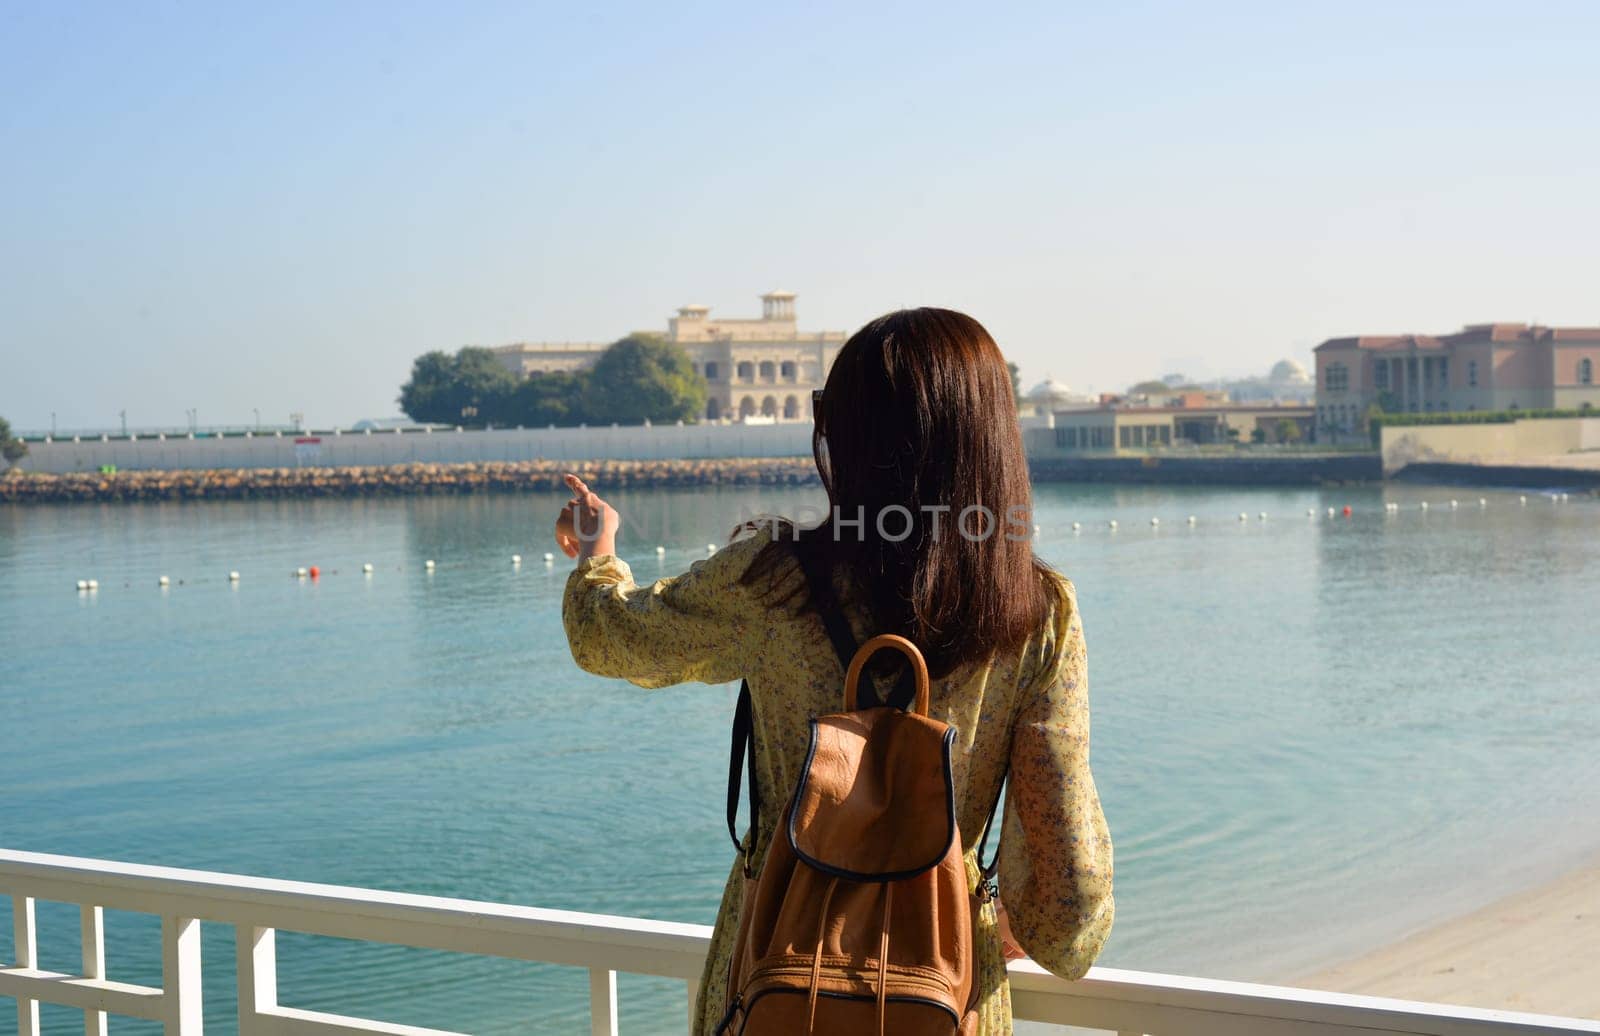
[
  {"x": 1050, "y": 391},
  {"x": 1289, "y": 370}
]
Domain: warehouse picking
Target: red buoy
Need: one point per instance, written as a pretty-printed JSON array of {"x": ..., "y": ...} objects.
[
  {"x": 1346, "y": 514},
  {"x": 314, "y": 571}
]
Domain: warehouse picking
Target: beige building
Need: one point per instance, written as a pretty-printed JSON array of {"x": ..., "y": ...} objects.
[
  {"x": 1116, "y": 426},
  {"x": 756, "y": 369}
]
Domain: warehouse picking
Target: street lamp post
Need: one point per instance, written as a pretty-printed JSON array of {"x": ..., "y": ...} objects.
[
  {"x": 257, "y": 411},
  {"x": 124, "y": 415}
]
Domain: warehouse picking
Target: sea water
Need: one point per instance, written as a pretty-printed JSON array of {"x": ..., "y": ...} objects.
[{"x": 1310, "y": 733}]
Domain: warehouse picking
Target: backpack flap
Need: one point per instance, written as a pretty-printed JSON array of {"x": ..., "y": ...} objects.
[{"x": 876, "y": 799}]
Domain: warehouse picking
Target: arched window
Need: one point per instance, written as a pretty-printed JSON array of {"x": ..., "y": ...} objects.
[
  {"x": 713, "y": 409},
  {"x": 769, "y": 407},
  {"x": 791, "y": 408},
  {"x": 711, "y": 370},
  {"x": 787, "y": 370},
  {"x": 747, "y": 371},
  {"x": 747, "y": 406},
  {"x": 1586, "y": 371},
  {"x": 768, "y": 370}
]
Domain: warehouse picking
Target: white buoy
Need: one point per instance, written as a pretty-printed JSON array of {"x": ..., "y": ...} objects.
[
  {"x": 1155, "y": 521},
  {"x": 660, "y": 551},
  {"x": 1112, "y": 525},
  {"x": 1037, "y": 530},
  {"x": 1522, "y": 500},
  {"x": 548, "y": 557},
  {"x": 1454, "y": 504},
  {"x": 300, "y": 572},
  {"x": 233, "y": 577},
  {"x": 516, "y": 559},
  {"x": 1482, "y": 502},
  {"x": 1311, "y": 512},
  {"x": 1191, "y": 519},
  {"x": 163, "y": 581},
  {"x": 367, "y": 568},
  {"x": 711, "y": 548},
  {"x": 428, "y": 564},
  {"x": 94, "y": 584},
  {"x": 1077, "y": 526},
  {"x": 1243, "y": 517},
  {"x": 1262, "y": 516},
  {"x": 1424, "y": 505},
  {"x": 1330, "y": 512},
  {"x": 83, "y": 584}
]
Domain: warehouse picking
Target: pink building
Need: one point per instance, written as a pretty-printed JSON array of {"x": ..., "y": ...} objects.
[{"x": 1480, "y": 367}]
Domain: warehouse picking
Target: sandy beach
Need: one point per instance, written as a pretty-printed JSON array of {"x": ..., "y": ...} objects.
[{"x": 1537, "y": 950}]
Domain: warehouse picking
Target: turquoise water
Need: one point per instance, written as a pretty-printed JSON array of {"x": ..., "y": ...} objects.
[{"x": 1309, "y": 733}]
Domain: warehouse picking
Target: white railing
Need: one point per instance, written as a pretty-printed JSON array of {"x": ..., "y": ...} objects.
[{"x": 1126, "y": 1002}]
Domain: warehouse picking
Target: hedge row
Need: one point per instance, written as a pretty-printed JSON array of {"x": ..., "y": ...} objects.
[{"x": 1478, "y": 416}]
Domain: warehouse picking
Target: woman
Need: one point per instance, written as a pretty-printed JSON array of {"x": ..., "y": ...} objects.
[{"x": 919, "y": 449}]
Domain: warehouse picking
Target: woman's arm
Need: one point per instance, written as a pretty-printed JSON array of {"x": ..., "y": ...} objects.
[
  {"x": 690, "y": 627},
  {"x": 1055, "y": 849}
]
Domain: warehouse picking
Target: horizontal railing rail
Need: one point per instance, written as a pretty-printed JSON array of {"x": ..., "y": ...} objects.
[{"x": 1124, "y": 1002}]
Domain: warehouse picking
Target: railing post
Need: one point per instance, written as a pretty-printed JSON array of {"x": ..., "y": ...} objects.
[
  {"x": 180, "y": 976},
  {"x": 602, "y": 1002},
  {"x": 25, "y": 951},
  {"x": 92, "y": 927},
  {"x": 694, "y": 994},
  {"x": 257, "y": 952}
]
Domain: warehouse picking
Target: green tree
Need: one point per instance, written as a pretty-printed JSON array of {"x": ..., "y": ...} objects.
[
  {"x": 1146, "y": 387},
  {"x": 471, "y": 388},
  {"x": 555, "y": 398},
  {"x": 1288, "y": 431},
  {"x": 11, "y": 449},
  {"x": 1258, "y": 434},
  {"x": 642, "y": 378},
  {"x": 1016, "y": 380}
]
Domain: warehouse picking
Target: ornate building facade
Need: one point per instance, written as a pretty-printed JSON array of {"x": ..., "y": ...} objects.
[{"x": 757, "y": 370}]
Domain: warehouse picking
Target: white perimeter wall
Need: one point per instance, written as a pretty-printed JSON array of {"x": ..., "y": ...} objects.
[{"x": 361, "y": 449}]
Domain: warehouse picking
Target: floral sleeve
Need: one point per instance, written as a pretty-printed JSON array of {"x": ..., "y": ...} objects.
[
  {"x": 1055, "y": 849},
  {"x": 689, "y": 627}
]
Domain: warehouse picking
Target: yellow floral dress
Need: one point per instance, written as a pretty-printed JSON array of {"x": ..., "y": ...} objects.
[{"x": 1028, "y": 708}]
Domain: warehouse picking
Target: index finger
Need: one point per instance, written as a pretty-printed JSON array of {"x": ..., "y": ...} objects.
[{"x": 576, "y": 484}]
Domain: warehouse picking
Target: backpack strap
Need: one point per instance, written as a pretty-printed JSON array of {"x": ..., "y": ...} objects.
[
  {"x": 820, "y": 584},
  {"x": 986, "y": 872},
  {"x": 744, "y": 737},
  {"x": 827, "y": 606}
]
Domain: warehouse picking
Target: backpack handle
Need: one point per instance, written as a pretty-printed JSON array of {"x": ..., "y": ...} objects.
[{"x": 919, "y": 704}]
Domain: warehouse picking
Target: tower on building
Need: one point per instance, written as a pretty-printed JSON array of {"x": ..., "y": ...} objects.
[{"x": 777, "y": 305}]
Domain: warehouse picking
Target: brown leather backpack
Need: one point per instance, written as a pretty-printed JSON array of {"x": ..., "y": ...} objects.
[{"x": 861, "y": 919}]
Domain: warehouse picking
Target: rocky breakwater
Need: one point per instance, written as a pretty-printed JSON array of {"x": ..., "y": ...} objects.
[{"x": 400, "y": 480}]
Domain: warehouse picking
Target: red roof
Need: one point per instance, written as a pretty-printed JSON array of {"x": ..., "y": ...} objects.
[{"x": 1508, "y": 333}]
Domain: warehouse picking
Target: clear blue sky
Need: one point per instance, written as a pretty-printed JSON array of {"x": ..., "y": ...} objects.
[{"x": 277, "y": 206}]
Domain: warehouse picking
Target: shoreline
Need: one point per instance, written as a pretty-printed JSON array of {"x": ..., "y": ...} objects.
[
  {"x": 440, "y": 479},
  {"x": 459, "y": 478},
  {"x": 1536, "y": 949}
]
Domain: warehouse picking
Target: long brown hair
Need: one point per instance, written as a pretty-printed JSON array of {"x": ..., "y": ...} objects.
[{"x": 917, "y": 437}]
